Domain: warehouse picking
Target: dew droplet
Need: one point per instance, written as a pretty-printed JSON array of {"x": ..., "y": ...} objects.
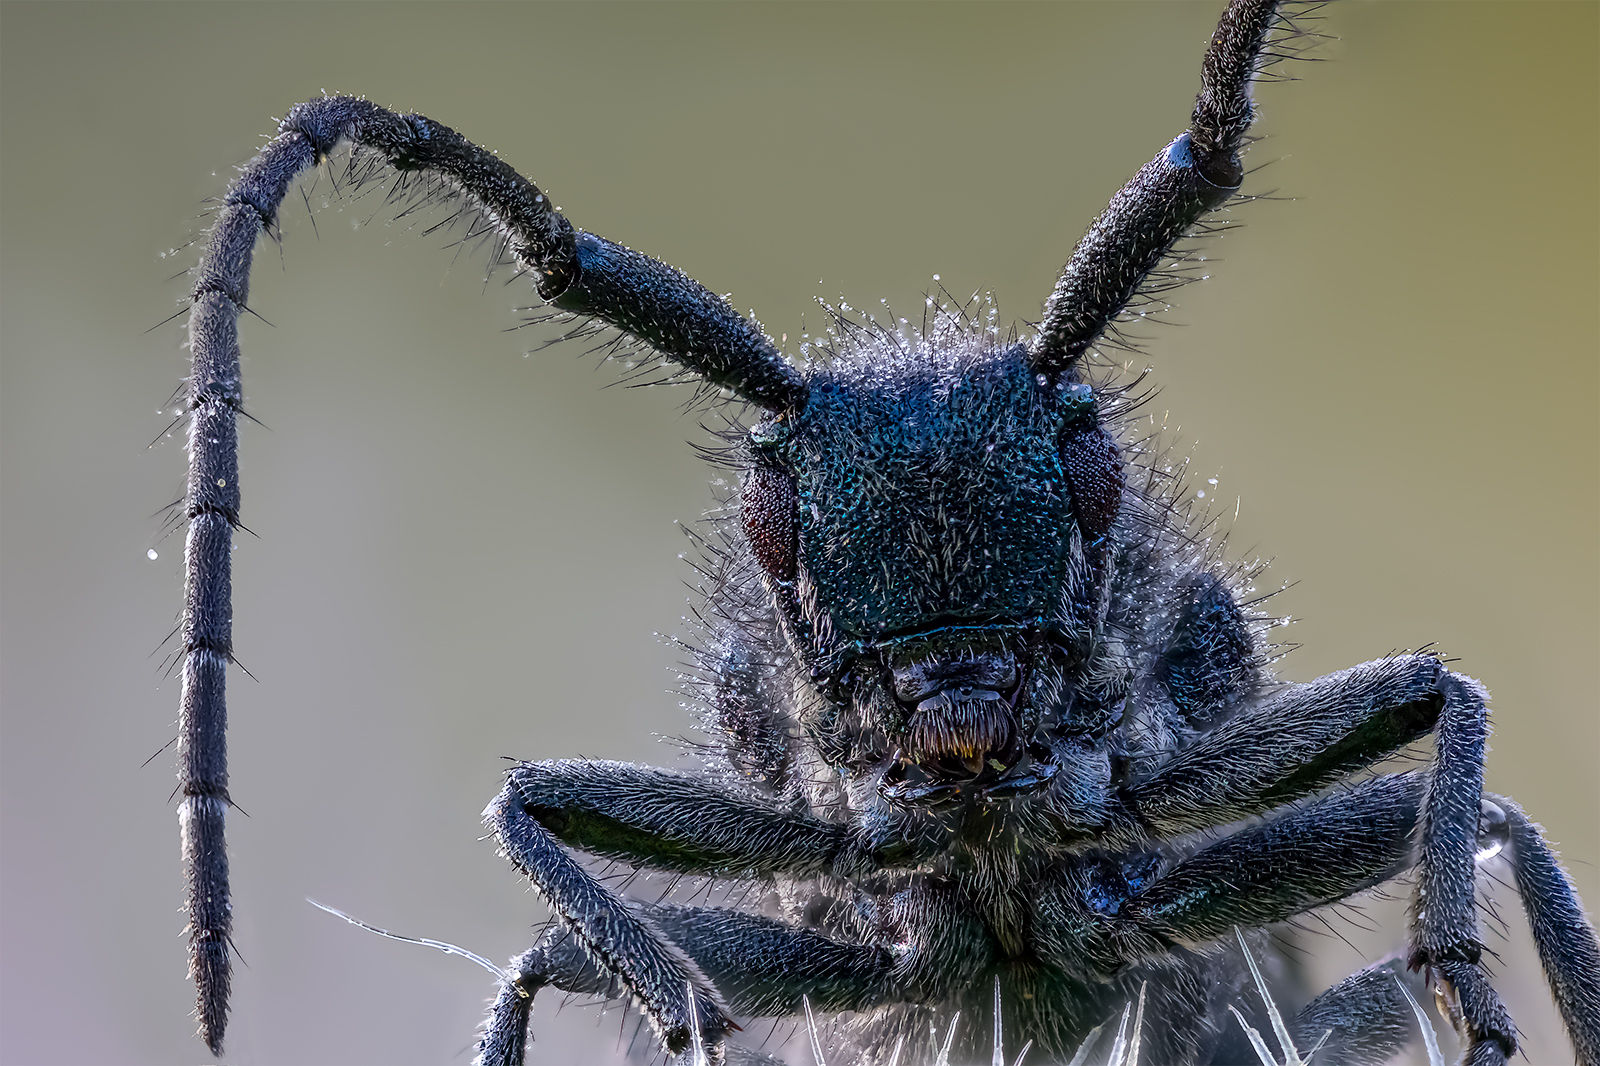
[{"x": 151, "y": 554}]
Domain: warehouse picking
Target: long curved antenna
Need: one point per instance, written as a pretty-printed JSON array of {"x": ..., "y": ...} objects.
[
  {"x": 1193, "y": 175},
  {"x": 576, "y": 271}
]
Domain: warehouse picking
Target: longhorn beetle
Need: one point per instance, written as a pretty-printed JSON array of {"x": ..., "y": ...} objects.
[{"x": 984, "y": 706}]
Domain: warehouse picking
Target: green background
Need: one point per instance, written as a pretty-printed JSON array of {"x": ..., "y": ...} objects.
[{"x": 464, "y": 554}]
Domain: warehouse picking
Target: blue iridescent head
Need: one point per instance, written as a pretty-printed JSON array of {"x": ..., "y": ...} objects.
[{"x": 934, "y": 524}]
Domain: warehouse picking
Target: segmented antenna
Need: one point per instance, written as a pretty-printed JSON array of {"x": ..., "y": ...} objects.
[
  {"x": 1193, "y": 175},
  {"x": 577, "y": 272}
]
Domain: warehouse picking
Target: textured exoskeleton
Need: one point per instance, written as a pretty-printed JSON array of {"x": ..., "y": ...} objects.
[{"x": 986, "y": 712}]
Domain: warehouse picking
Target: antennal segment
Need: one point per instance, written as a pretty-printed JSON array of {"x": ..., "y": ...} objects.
[{"x": 1193, "y": 175}]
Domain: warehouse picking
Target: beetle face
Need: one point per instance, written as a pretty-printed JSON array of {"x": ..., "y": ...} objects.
[{"x": 932, "y": 520}]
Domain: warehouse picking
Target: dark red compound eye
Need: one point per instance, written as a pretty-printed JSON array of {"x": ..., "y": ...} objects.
[
  {"x": 768, "y": 506},
  {"x": 1093, "y": 465}
]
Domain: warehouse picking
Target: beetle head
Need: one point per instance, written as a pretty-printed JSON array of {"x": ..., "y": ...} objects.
[{"x": 935, "y": 527}]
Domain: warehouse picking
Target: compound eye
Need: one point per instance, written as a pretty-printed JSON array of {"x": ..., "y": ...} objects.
[
  {"x": 1093, "y": 465},
  {"x": 768, "y": 505}
]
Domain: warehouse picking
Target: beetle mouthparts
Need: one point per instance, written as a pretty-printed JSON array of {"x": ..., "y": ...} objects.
[{"x": 956, "y": 731}]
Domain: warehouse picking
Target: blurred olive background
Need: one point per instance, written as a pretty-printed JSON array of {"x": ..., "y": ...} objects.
[{"x": 463, "y": 553}]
